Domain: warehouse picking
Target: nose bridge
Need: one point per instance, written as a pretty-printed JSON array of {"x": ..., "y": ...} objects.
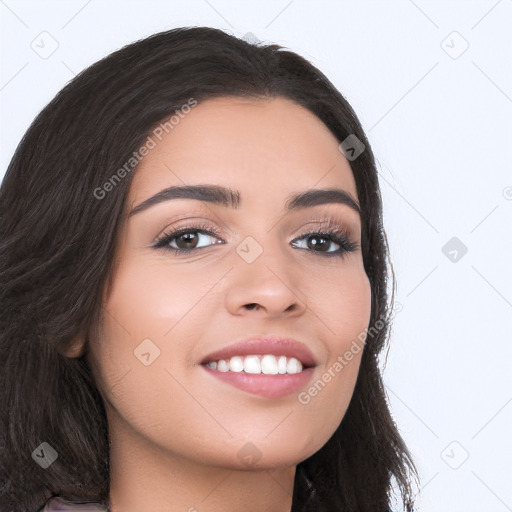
[
  {"x": 262, "y": 238},
  {"x": 261, "y": 249},
  {"x": 263, "y": 274}
]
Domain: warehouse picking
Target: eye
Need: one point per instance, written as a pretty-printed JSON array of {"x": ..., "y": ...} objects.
[
  {"x": 322, "y": 241},
  {"x": 187, "y": 239}
]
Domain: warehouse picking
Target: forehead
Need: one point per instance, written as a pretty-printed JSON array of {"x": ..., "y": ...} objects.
[{"x": 266, "y": 148}]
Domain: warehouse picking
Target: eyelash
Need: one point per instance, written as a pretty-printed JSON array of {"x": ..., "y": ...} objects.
[{"x": 326, "y": 229}]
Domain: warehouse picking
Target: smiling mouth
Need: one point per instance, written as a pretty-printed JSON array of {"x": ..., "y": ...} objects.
[
  {"x": 266, "y": 364},
  {"x": 249, "y": 374}
]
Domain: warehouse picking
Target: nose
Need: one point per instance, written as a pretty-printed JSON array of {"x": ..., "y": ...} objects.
[{"x": 268, "y": 286}]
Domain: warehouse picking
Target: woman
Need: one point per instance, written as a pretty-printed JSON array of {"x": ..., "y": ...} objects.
[{"x": 194, "y": 279}]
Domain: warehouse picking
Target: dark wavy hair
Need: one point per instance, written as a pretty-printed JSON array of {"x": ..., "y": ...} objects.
[{"x": 57, "y": 247}]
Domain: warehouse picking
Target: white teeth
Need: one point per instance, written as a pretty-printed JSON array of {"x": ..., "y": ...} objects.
[
  {"x": 267, "y": 364},
  {"x": 252, "y": 364},
  {"x": 281, "y": 364},
  {"x": 222, "y": 366},
  {"x": 236, "y": 364},
  {"x": 293, "y": 366}
]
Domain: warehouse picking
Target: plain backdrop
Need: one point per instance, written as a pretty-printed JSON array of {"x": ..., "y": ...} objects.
[{"x": 432, "y": 84}]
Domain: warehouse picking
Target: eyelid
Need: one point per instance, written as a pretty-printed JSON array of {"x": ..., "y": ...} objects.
[
  {"x": 185, "y": 221},
  {"x": 329, "y": 222}
]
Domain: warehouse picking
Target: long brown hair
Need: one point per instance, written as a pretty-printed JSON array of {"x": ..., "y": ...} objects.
[{"x": 57, "y": 245}]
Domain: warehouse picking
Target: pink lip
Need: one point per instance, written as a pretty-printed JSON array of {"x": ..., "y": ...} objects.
[
  {"x": 259, "y": 345},
  {"x": 269, "y": 386}
]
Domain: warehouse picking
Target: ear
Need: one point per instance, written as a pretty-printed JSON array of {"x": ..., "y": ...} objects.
[{"x": 75, "y": 349}]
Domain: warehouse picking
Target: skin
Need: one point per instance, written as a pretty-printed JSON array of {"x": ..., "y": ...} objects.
[{"x": 176, "y": 431}]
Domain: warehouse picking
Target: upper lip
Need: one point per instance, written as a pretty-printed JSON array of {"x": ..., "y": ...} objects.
[{"x": 259, "y": 345}]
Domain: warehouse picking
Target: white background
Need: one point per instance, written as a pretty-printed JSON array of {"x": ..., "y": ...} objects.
[{"x": 440, "y": 122}]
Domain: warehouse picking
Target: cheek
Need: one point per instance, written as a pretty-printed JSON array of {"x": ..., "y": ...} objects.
[
  {"x": 149, "y": 298},
  {"x": 145, "y": 310},
  {"x": 344, "y": 309},
  {"x": 341, "y": 304},
  {"x": 350, "y": 308}
]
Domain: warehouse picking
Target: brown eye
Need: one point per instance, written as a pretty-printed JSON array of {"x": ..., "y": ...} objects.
[
  {"x": 320, "y": 242},
  {"x": 187, "y": 239}
]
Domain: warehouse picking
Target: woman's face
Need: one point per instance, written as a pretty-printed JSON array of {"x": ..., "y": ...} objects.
[{"x": 245, "y": 270}]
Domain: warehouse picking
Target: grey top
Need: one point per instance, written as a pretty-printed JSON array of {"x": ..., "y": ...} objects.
[{"x": 59, "y": 504}]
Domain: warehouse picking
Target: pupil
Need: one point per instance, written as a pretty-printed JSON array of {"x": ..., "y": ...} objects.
[
  {"x": 188, "y": 239},
  {"x": 312, "y": 243}
]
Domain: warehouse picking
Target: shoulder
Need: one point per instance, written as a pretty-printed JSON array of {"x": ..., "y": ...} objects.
[{"x": 59, "y": 504}]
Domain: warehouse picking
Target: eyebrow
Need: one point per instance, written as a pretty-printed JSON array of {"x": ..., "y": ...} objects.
[{"x": 229, "y": 198}]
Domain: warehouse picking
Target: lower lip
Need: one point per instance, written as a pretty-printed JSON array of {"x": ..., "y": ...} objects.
[{"x": 269, "y": 386}]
